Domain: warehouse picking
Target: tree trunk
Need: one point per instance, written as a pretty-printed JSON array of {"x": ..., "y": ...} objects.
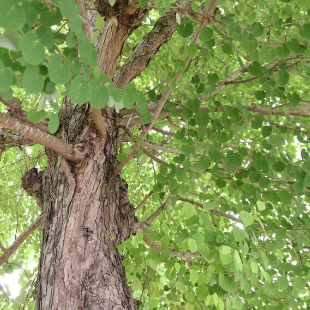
[{"x": 87, "y": 215}]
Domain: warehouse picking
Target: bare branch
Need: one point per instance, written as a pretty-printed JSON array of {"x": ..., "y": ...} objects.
[
  {"x": 145, "y": 199},
  {"x": 295, "y": 129},
  {"x": 164, "y": 132},
  {"x": 158, "y": 160},
  {"x": 39, "y": 136},
  {"x": 4, "y": 292},
  {"x": 303, "y": 112},
  {"x": 151, "y": 218},
  {"x": 157, "y": 147},
  {"x": 8, "y": 252},
  {"x": 156, "y": 247}
]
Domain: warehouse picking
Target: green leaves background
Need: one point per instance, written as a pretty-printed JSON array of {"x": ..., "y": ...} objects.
[{"x": 236, "y": 158}]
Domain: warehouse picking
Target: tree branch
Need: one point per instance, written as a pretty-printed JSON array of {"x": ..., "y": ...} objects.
[
  {"x": 152, "y": 217},
  {"x": 157, "y": 147},
  {"x": 99, "y": 122},
  {"x": 40, "y": 136},
  {"x": 164, "y": 132},
  {"x": 156, "y": 247},
  {"x": 163, "y": 29},
  {"x": 9, "y": 139},
  {"x": 8, "y": 252},
  {"x": 145, "y": 199}
]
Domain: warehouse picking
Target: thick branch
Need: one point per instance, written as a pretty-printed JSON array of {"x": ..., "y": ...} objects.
[
  {"x": 156, "y": 247},
  {"x": 121, "y": 20},
  {"x": 163, "y": 29},
  {"x": 39, "y": 136},
  {"x": 8, "y": 252}
]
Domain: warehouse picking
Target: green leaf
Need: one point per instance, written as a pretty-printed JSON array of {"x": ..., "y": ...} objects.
[
  {"x": 191, "y": 50},
  {"x": 69, "y": 9},
  {"x": 257, "y": 122},
  {"x": 204, "y": 162},
  {"x": 79, "y": 90},
  {"x": 188, "y": 210},
  {"x": 193, "y": 104},
  {"x": 293, "y": 99},
  {"x": 237, "y": 261},
  {"x": 282, "y": 283},
  {"x": 260, "y": 205},
  {"x": 246, "y": 218},
  {"x": 7, "y": 42},
  {"x": 206, "y": 34},
  {"x": 283, "y": 51},
  {"x": 204, "y": 250},
  {"x": 234, "y": 158},
  {"x": 267, "y": 53},
  {"x": 255, "y": 68},
  {"x": 12, "y": 14},
  {"x": 293, "y": 45},
  {"x": 59, "y": 72},
  {"x": 87, "y": 52},
  {"x": 53, "y": 123},
  {"x": 6, "y": 77},
  {"x": 225, "y": 255},
  {"x": 193, "y": 275},
  {"x": 36, "y": 116},
  {"x": 258, "y": 29},
  {"x": 33, "y": 81},
  {"x": 32, "y": 50},
  {"x": 112, "y": 2},
  {"x": 185, "y": 29},
  {"x": 146, "y": 117},
  {"x": 192, "y": 245},
  {"x": 98, "y": 94},
  {"x": 283, "y": 77},
  {"x": 279, "y": 166},
  {"x": 130, "y": 95},
  {"x": 202, "y": 119},
  {"x": 254, "y": 267}
]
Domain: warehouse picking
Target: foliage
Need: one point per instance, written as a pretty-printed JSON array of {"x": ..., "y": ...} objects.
[{"x": 232, "y": 155}]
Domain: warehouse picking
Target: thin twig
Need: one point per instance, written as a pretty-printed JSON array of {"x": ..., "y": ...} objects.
[
  {"x": 156, "y": 247},
  {"x": 152, "y": 217},
  {"x": 9, "y": 251},
  {"x": 145, "y": 199}
]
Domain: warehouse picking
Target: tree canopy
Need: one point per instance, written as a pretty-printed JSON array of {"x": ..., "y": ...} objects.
[{"x": 211, "y": 99}]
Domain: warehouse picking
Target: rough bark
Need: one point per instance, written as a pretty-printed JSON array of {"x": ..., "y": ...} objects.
[{"x": 86, "y": 216}]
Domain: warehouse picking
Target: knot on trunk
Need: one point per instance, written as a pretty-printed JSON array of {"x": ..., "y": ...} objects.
[{"x": 32, "y": 184}]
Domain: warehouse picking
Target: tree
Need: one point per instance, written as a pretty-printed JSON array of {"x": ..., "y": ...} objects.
[{"x": 163, "y": 147}]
